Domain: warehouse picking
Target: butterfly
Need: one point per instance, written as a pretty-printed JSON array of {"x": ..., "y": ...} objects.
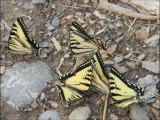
[
  {"x": 123, "y": 92},
  {"x": 19, "y": 41},
  {"x": 81, "y": 42},
  {"x": 99, "y": 73},
  {"x": 76, "y": 83}
]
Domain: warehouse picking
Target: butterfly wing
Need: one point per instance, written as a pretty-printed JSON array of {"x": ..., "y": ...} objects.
[
  {"x": 78, "y": 40},
  {"x": 126, "y": 103},
  {"x": 19, "y": 41},
  {"x": 69, "y": 94},
  {"x": 79, "y": 79},
  {"x": 119, "y": 88},
  {"x": 99, "y": 67},
  {"x": 97, "y": 82}
]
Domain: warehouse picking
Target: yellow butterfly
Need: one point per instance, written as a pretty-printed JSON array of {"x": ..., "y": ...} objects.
[
  {"x": 123, "y": 92},
  {"x": 81, "y": 42},
  {"x": 76, "y": 83},
  {"x": 19, "y": 41}
]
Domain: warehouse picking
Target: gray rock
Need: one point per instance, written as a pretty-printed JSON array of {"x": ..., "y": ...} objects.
[
  {"x": 78, "y": 14},
  {"x": 80, "y": 113},
  {"x": 44, "y": 44},
  {"x": 151, "y": 66},
  {"x": 50, "y": 28},
  {"x": 50, "y": 115},
  {"x": 150, "y": 88},
  {"x": 118, "y": 59},
  {"x": 46, "y": 49},
  {"x": 47, "y": 24},
  {"x": 22, "y": 83},
  {"x": 138, "y": 113},
  {"x": 56, "y": 22},
  {"x": 38, "y": 2},
  {"x": 49, "y": 33},
  {"x": 28, "y": 6},
  {"x": 53, "y": 6},
  {"x": 154, "y": 43}
]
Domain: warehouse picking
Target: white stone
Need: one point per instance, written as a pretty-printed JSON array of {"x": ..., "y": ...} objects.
[{"x": 151, "y": 66}]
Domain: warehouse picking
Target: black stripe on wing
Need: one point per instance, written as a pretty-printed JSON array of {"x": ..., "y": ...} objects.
[
  {"x": 32, "y": 42},
  {"x": 80, "y": 29}
]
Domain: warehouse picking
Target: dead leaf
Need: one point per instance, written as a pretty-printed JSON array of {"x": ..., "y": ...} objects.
[
  {"x": 103, "y": 54},
  {"x": 142, "y": 35},
  {"x": 56, "y": 44},
  {"x": 112, "y": 49},
  {"x": 121, "y": 69},
  {"x": 141, "y": 57},
  {"x": 53, "y": 104},
  {"x": 59, "y": 66},
  {"x": 128, "y": 55},
  {"x": 2, "y": 69}
]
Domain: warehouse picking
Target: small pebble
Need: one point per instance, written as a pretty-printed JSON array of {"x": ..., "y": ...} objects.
[
  {"x": 53, "y": 6},
  {"x": 78, "y": 14},
  {"x": 131, "y": 65},
  {"x": 144, "y": 46},
  {"x": 53, "y": 89},
  {"x": 138, "y": 113},
  {"x": 34, "y": 104},
  {"x": 53, "y": 104},
  {"x": 127, "y": 48},
  {"x": 56, "y": 22},
  {"x": 50, "y": 115},
  {"x": 36, "y": 2},
  {"x": 136, "y": 76},
  {"x": 80, "y": 113},
  {"x": 118, "y": 59},
  {"x": 50, "y": 28},
  {"x": 42, "y": 97},
  {"x": 49, "y": 33},
  {"x": 44, "y": 55},
  {"x": 113, "y": 117}
]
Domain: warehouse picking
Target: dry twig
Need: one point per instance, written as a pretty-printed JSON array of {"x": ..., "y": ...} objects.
[
  {"x": 105, "y": 107},
  {"x": 124, "y": 11}
]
